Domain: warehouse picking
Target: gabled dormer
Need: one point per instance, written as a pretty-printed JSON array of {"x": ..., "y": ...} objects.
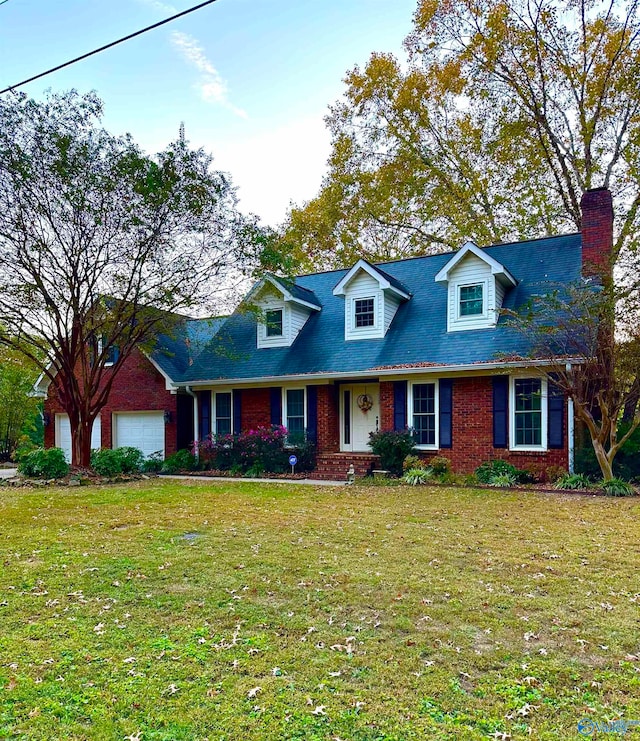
[
  {"x": 476, "y": 287},
  {"x": 283, "y": 310},
  {"x": 371, "y": 299}
]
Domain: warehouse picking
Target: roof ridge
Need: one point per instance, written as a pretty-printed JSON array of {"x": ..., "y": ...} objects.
[{"x": 482, "y": 247}]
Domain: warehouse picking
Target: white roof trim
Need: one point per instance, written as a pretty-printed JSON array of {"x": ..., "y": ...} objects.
[
  {"x": 41, "y": 386},
  {"x": 385, "y": 372},
  {"x": 286, "y": 294},
  {"x": 497, "y": 269},
  {"x": 169, "y": 383},
  {"x": 371, "y": 270}
]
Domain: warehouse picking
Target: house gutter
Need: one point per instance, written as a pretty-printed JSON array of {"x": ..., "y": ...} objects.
[
  {"x": 571, "y": 443},
  {"x": 373, "y": 373},
  {"x": 196, "y": 420}
]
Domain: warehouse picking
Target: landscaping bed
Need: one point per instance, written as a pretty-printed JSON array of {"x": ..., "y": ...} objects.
[{"x": 213, "y": 473}]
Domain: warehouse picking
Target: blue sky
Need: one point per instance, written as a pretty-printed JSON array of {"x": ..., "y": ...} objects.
[{"x": 251, "y": 79}]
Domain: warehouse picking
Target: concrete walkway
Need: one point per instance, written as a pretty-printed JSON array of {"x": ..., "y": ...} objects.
[{"x": 306, "y": 482}]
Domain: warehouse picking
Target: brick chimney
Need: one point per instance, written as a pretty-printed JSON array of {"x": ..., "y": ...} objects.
[{"x": 597, "y": 232}]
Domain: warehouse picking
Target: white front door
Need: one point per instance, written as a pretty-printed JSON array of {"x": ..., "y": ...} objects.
[
  {"x": 63, "y": 434},
  {"x": 359, "y": 415}
]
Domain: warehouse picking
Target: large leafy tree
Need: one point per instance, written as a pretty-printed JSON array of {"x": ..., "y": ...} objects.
[
  {"x": 19, "y": 410},
  {"x": 102, "y": 246},
  {"x": 503, "y": 114},
  {"x": 571, "y": 329}
]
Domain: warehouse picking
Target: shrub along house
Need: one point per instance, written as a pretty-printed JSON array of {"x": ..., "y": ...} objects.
[{"x": 416, "y": 343}]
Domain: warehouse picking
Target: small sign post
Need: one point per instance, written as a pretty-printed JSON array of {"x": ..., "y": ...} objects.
[{"x": 293, "y": 459}]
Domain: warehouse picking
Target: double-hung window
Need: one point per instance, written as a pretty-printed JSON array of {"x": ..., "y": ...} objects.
[
  {"x": 295, "y": 417},
  {"x": 424, "y": 413},
  {"x": 364, "y": 312},
  {"x": 471, "y": 300},
  {"x": 529, "y": 413},
  {"x": 222, "y": 412},
  {"x": 273, "y": 321}
]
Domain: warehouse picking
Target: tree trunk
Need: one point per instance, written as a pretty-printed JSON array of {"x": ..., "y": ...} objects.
[
  {"x": 81, "y": 443},
  {"x": 606, "y": 465},
  {"x": 631, "y": 403}
]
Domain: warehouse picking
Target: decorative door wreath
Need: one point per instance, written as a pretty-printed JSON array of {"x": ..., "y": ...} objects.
[{"x": 365, "y": 402}]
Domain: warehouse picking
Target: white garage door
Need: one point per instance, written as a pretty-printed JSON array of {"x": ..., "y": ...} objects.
[
  {"x": 143, "y": 430},
  {"x": 63, "y": 434}
]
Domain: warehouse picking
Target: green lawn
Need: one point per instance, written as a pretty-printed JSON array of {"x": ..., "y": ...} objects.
[{"x": 295, "y": 612}]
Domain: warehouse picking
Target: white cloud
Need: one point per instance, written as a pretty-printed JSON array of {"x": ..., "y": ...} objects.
[
  {"x": 211, "y": 86},
  {"x": 159, "y": 5}
]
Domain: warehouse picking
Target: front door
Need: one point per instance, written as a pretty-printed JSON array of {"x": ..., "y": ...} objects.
[{"x": 359, "y": 415}]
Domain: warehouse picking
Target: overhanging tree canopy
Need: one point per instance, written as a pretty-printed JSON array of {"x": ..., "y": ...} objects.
[
  {"x": 504, "y": 114},
  {"x": 101, "y": 246}
]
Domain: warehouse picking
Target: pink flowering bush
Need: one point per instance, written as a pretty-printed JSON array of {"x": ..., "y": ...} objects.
[{"x": 261, "y": 449}]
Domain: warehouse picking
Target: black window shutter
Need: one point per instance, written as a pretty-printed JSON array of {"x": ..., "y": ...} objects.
[
  {"x": 399, "y": 405},
  {"x": 276, "y": 405},
  {"x": 312, "y": 414},
  {"x": 204, "y": 413},
  {"x": 500, "y": 411},
  {"x": 446, "y": 412},
  {"x": 555, "y": 415},
  {"x": 237, "y": 411}
]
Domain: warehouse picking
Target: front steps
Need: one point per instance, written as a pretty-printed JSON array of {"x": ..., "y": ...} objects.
[{"x": 334, "y": 466}]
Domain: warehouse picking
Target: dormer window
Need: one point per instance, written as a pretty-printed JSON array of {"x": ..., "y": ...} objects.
[
  {"x": 371, "y": 300},
  {"x": 471, "y": 300},
  {"x": 364, "y": 312},
  {"x": 476, "y": 287},
  {"x": 284, "y": 308},
  {"x": 273, "y": 322}
]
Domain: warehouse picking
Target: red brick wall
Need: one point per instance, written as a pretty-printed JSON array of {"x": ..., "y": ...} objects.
[
  {"x": 473, "y": 429},
  {"x": 328, "y": 419},
  {"x": 138, "y": 387},
  {"x": 255, "y": 408},
  {"x": 386, "y": 405}
]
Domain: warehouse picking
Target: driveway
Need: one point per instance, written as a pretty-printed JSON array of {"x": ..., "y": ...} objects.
[{"x": 7, "y": 473}]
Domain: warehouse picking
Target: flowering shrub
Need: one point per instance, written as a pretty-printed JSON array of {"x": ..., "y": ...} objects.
[{"x": 260, "y": 449}]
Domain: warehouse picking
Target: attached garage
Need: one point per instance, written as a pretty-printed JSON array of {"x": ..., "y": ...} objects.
[
  {"x": 143, "y": 430},
  {"x": 63, "y": 434}
]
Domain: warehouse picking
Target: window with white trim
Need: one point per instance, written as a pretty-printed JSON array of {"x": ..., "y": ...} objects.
[
  {"x": 273, "y": 322},
  {"x": 471, "y": 300},
  {"x": 294, "y": 415},
  {"x": 423, "y": 406},
  {"x": 223, "y": 423},
  {"x": 364, "y": 312},
  {"x": 528, "y": 413},
  {"x": 113, "y": 351},
  {"x": 274, "y": 325}
]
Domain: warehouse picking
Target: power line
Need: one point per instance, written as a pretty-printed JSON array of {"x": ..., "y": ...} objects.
[
  {"x": 3, "y": 2},
  {"x": 106, "y": 46}
]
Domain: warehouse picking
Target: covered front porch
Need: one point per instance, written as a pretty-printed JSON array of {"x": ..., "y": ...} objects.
[
  {"x": 352, "y": 411},
  {"x": 338, "y": 416}
]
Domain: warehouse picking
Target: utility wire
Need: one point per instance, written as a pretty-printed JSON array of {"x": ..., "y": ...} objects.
[{"x": 106, "y": 46}]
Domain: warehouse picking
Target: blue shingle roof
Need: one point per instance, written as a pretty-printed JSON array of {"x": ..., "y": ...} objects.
[
  {"x": 176, "y": 353},
  {"x": 392, "y": 280},
  {"x": 417, "y": 335},
  {"x": 298, "y": 291}
]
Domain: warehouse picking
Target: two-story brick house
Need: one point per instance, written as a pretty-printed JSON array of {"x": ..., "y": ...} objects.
[{"x": 417, "y": 343}]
